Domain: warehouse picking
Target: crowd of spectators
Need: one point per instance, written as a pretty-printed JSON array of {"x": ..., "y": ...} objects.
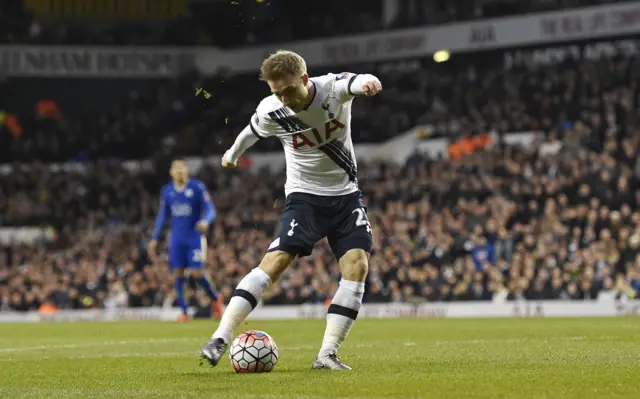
[
  {"x": 546, "y": 221},
  {"x": 470, "y": 93},
  {"x": 556, "y": 219}
]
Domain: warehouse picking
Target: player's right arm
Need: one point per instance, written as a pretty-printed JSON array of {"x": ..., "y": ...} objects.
[
  {"x": 349, "y": 85},
  {"x": 164, "y": 211},
  {"x": 260, "y": 127}
]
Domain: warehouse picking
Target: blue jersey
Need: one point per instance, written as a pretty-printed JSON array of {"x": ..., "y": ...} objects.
[{"x": 186, "y": 207}]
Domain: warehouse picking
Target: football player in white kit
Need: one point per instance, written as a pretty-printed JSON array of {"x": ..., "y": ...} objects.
[{"x": 312, "y": 119}]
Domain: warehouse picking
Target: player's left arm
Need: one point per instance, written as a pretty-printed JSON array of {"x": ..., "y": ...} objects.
[
  {"x": 209, "y": 214},
  {"x": 349, "y": 85},
  {"x": 243, "y": 142},
  {"x": 260, "y": 127}
]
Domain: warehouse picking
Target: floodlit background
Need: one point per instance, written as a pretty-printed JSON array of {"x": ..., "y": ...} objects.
[{"x": 500, "y": 162}]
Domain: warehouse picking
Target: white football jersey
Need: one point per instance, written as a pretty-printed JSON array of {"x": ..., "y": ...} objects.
[{"x": 317, "y": 141}]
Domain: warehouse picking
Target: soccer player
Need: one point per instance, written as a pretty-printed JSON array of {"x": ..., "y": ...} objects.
[
  {"x": 311, "y": 117},
  {"x": 188, "y": 204}
]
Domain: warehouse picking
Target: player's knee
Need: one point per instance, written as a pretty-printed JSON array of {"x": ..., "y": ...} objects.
[
  {"x": 354, "y": 265},
  {"x": 197, "y": 274},
  {"x": 274, "y": 263},
  {"x": 179, "y": 272}
]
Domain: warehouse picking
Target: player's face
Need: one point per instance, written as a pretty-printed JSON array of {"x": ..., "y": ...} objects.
[
  {"x": 291, "y": 91},
  {"x": 179, "y": 171}
]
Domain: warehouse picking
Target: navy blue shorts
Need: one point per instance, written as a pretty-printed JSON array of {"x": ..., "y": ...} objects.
[
  {"x": 187, "y": 252},
  {"x": 308, "y": 218}
]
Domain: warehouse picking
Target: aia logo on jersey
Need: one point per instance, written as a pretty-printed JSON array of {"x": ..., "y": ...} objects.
[
  {"x": 343, "y": 76},
  {"x": 300, "y": 140}
]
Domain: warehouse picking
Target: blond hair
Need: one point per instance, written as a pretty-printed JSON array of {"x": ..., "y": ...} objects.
[{"x": 282, "y": 63}]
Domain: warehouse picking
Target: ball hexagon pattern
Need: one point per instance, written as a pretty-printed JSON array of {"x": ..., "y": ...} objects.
[{"x": 253, "y": 352}]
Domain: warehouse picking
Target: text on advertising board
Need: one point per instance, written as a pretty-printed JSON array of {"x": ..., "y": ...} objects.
[
  {"x": 374, "y": 48},
  {"x": 576, "y": 25},
  {"x": 482, "y": 34},
  {"x": 79, "y": 62},
  {"x": 559, "y": 54},
  {"x": 517, "y": 31}
]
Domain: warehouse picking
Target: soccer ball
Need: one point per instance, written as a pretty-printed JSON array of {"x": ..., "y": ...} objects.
[{"x": 253, "y": 352}]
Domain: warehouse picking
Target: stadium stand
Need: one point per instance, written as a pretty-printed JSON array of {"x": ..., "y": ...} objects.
[
  {"x": 555, "y": 219},
  {"x": 237, "y": 23},
  {"x": 547, "y": 223},
  {"x": 456, "y": 98}
]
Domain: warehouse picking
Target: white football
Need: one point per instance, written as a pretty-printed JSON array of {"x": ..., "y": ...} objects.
[{"x": 253, "y": 352}]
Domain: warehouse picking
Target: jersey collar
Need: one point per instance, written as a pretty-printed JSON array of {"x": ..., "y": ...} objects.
[
  {"x": 180, "y": 189},
  {"x": 315, "y": 94}
]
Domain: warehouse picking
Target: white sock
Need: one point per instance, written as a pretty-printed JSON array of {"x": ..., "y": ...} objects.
[
  {"x": 341, "y": 315},
  {"x": 243, "y": 300}
]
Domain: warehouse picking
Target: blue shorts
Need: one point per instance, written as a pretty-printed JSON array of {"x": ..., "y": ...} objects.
[{"x": 187, "y": 252}]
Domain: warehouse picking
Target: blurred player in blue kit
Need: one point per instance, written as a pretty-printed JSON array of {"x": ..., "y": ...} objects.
[{"x": 188, "y": 204}]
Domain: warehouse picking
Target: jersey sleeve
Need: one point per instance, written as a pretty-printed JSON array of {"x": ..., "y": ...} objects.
[
  {"x": 209, "y": 213},
  {"x": 343, "y": 87},
  {"x": 245, "y": 139},
  {"x": 349, "y": 85},
  {"x": 262, "y": 126}
]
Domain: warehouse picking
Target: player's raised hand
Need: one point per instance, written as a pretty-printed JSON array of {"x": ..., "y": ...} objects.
[
  {"x": 202, "y": 226},
  {"x": 226, "y": 163},
  {"x": 151, "y": 250},
  {"x": 372, "y": 88}
]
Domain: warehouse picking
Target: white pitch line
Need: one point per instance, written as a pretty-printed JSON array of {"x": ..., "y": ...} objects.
[
  {"x": 310, "y": 347},
  {"x": 130, "y": 355},
  {"x": 133, "y": 342},
  {"x": 87, "y": 392},
  {"x": 94, "y": 344},
  {"x": 127, "y": 355},
  {"x": 106, "y": 356}
]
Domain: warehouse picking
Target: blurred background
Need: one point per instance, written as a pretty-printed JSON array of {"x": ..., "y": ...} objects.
[{"x": 500, "y": 163}]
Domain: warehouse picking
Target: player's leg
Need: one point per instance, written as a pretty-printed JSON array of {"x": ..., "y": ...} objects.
[
  {"x": 296, "y": 237},
  {"x": 249, "y": 291},
  {"x": 243, "y": 300},
  {"x": 351, "y": 243},
  {"x": 344, "y": 308},
  {"x": 177, "y": 262},
  {"x": 197, "y": 262},
  {"x": 217, "y": 301}
]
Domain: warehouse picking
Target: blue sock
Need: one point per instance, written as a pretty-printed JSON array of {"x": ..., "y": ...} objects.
[
  {"x": 204, "y": 282},
  {"x": 179, "y": 285}
]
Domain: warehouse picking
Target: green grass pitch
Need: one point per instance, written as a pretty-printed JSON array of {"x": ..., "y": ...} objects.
[{"x": 402, "y": 358}]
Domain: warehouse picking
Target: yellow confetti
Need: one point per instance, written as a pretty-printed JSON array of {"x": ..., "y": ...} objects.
[
  {"x": 206, "y": 94},
  {"x": 260, "y": 1},
  {"x": 235, "y": 3},
  {"x": 226, "y": 120},
  {"x": 275, "y": 204}
]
